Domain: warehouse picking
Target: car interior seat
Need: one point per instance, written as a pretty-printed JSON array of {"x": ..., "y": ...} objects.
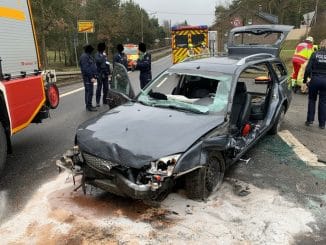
[
  {"x": 199, "y": 93},
  {"x": 245, "y": 111},
  {"x": 241, "y": 107}
]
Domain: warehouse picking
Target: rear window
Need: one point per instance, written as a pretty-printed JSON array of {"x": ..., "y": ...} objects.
[
  {"x": 268, "y": 38},
  {"x": 181, "y": 41},
  {"x": 197, "y": 39},
  {"x": 130, "y": 50}
]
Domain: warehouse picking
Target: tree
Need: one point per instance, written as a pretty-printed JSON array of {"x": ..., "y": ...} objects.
[{"x": 115, "y": 22}]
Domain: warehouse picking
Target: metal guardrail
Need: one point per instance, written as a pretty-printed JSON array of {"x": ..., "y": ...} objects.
[
  {"x": 153, "y": 51},
  {"x": 68, "y": 74}
]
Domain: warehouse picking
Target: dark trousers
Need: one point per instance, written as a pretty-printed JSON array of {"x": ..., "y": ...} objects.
[
  {"x": 88, "y": 91},
  {"x": 317, "y": 86},
  {"x": 102, "y": 83},
  {"x": 144, "y": 79}
]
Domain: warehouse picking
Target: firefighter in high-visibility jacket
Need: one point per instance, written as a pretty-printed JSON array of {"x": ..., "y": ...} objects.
[{"x": 302, "y": 53}]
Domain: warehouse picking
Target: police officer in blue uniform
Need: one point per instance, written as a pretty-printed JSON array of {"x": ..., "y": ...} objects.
[
  {"x": 89, "y": 72},
  {"x": 316, "y": 70},
  {"x": 120, "y": 57},
  {"x": 103, "y": 70},
  {"x": 144, "y": 65}
]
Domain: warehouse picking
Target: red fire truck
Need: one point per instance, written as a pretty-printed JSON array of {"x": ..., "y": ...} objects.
[{"x": 26, "y": 93}]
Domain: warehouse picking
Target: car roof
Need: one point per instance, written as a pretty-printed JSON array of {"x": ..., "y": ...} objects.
[
  {"x": 216, "y": 65},
  {"x": 212, "y": 65}
]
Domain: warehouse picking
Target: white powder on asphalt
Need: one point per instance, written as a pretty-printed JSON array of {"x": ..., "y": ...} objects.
[
  {"x": 262, "y": 217},
  {"x": 3, "y": 203}
]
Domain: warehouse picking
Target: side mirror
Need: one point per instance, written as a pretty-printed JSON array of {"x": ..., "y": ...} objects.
[{"x": 262, "y": 80}]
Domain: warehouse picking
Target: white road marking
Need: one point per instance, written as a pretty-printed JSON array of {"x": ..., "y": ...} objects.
[
  {"x": 159, "y": 85},
  {"x": 3, "y": 202},
  {"x": 302, "y": 152},
  {"x": 72, "y": 92}
]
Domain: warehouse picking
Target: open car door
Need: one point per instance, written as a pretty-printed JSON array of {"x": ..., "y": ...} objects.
[
  {"x": 121, "y": 90},
  {"x": 248, "y": 40}
]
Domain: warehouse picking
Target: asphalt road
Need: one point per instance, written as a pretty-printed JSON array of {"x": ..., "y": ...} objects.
[{"x": 274, "y": 165}]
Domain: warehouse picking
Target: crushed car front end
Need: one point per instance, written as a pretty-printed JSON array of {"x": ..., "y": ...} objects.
[{"x": 151, "y": 182}]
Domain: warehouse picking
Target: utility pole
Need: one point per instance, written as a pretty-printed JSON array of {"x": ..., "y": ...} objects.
[
  {"x": 86, "y": 37},
  {"x": 45, "y": 58},
  {"x": 142, "y": 26},
  {"x": 307, "y": 24},
  {"x": 316, "y": 11},
  {"x": 299, "y": 15},
  {"x": 170, "y": 32},
  {"x": 142, "y": 23}
]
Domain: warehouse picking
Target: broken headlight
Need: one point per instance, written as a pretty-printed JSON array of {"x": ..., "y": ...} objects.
[
  {"x": 157, "y": 171},
  {"x": 164, "y": 166}
]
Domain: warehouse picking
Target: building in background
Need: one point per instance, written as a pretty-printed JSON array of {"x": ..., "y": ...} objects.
[{"x": 240, "y": 17}]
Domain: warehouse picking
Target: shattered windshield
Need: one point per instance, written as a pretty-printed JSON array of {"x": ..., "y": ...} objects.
[{"x": 188, "y": 92}]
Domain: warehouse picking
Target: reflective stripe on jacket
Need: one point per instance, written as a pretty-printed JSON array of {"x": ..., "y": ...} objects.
[{"x": 302, "y": 53}]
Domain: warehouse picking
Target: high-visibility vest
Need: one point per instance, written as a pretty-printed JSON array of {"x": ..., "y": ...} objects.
[{"x": 302, "y": 53}]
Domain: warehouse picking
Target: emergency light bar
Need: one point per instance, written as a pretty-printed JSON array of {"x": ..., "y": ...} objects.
[{"x": 181, "y": 28}]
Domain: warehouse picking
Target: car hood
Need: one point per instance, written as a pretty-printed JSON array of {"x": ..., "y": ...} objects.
[{"x": 133, "y": 135}]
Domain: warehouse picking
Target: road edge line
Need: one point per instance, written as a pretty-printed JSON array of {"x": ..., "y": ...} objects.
[
  {"x": 71, "y": 92},
  {"x": 299, "y": 149}
]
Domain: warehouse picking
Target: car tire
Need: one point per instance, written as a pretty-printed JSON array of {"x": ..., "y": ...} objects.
[
  {"x": 200, "y": 183},
  {"x": 52, "y": 95},
  {"x": 278, "y": 123},
  {"x": 3, "y": 147}
]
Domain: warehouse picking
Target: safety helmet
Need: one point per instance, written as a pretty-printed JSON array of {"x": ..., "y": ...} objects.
[
  {"x": 310, "y": 39},
  {"x": 190, "y": 45}
]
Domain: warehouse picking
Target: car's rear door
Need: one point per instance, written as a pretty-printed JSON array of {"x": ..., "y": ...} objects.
[
  {"x": 254, "y": 39},
  {"x": 120, "y": 90}
]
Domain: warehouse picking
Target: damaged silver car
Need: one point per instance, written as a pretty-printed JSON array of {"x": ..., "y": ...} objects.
[{"x": 192, "y": 121}]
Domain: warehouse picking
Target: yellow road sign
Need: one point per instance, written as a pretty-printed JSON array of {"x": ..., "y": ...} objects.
[{"x": 86, "y": 26}]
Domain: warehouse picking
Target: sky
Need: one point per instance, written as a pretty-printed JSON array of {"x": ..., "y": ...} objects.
[{"x": 196, "y": 12}]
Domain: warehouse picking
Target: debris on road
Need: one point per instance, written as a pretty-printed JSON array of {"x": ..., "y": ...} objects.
[
  {"x": 302, "y": 152},
  {"x": 188, "y": 209},
  {"x": 57, "y": 214},
  {"x": 239, "y": 188}
]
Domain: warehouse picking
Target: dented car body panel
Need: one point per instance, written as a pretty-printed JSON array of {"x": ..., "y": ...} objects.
[{"x": 192, "y": 121}]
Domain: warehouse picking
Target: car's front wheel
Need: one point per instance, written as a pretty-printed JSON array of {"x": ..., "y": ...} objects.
[
  {"x": 201, "y": 183},
  {"x": 3, "y": 147}
]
